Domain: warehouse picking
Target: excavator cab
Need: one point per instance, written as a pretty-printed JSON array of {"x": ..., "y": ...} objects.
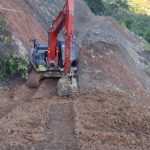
[{"x": 38, "y": 56}]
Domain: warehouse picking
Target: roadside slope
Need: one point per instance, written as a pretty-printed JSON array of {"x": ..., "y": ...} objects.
[{"x": 21, "y": 20}]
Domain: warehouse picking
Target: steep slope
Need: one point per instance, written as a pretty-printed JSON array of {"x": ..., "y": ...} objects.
[
  {"x": 21, "y": 20},
  {"x": 34, "y": 17},
  {"x": 114, "y": 51},
  {"x": 46, "y": 11},
  {"x": 6, "y": 44}
]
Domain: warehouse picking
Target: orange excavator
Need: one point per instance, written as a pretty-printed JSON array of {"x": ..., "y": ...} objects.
[{"x": 58, "y": 59}]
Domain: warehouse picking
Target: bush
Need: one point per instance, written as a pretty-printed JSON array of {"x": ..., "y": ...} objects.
[
  {"x": 97, "y": 6},
  {"x": 14, "y": 65},
  {"x": 147, "y": 35},
  {"x": 7, "y": 40},
  {"x": 2, "y": 24}
]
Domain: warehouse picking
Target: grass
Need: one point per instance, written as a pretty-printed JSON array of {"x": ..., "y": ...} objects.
[{"x": 147, "y": 46}]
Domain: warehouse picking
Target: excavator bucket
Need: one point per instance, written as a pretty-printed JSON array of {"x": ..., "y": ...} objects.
[
  {"x": 34, "y": 79},
  {"x": 66, "y": 87}
]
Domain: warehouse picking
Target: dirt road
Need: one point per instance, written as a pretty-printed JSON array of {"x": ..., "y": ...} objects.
[
  {"x": 112, "y": 120},
  {"x": 36, "y": 119}
]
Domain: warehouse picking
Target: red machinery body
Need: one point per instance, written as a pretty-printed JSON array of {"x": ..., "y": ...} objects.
[
  {"x": 58, "y": 59},
  {"x": 65, "y": 19}
]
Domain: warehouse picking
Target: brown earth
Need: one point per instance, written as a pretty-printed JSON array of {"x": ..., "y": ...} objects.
[
  {"x": 111, "y": 110},
  {"x": 21, "y": 19},
  {"x": 102, "y": 63},
  {"x": 101, "y": 118},
  {"x": 108, "y": 119}
]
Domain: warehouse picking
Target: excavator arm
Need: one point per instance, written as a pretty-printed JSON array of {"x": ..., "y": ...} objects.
[
  {"x": 50, "y": 65},
  {"x": 65, "y": 19},
  {"x": 67, "y": 84}
]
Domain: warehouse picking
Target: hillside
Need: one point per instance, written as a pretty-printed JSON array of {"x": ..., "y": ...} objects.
[
  {"x": 133, "y": 14},
  {"x": 111, "y": 109}
]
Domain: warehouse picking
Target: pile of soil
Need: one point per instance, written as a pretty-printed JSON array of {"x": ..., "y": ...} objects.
[
  {"x": 124, "y": 47},
  {"x": 46, "y": 11},
  {"x": 101, "y": 63}
]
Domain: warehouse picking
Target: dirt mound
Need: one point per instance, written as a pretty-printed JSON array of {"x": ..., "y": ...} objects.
[
  {"x": 34, "y": 17},
  {"x": 102, "y": 64}
]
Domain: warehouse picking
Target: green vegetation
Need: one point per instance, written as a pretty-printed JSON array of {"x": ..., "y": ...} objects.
[
  {"x": 97, "y": 6},
  {"x": 14, "y": 65},
  {"x": 139, "y": 6},
  {"x": 7, "y": 40},
  {"x": 2, "y": 24},
  {"x": 134, "y": 14},
  {"x": 147, "y": 46},
  {"x": 10, "y": 64},
  {"x": 147, "y": 35},
  {"x": 5, "y": 35}
]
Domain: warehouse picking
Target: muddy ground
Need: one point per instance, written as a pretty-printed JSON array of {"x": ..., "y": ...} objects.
[{"x": 111, "y": 108}]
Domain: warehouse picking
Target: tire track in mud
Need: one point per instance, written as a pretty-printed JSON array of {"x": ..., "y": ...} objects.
[
  {"x": 59, "y": 128},
  {"x": 59, "y": 122}
]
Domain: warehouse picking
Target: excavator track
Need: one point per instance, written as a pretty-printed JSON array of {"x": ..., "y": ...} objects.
[{"x": 34, "y": 79}]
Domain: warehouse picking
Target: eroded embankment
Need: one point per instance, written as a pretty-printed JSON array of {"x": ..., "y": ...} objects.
[
  {"x": 21, "y": 20},
  {"x": 111, "y": 110}
]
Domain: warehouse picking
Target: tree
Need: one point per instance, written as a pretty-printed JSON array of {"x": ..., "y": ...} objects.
[
  {"x": 139, "y": 6},
  {"x": 97, "y": 6}
]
